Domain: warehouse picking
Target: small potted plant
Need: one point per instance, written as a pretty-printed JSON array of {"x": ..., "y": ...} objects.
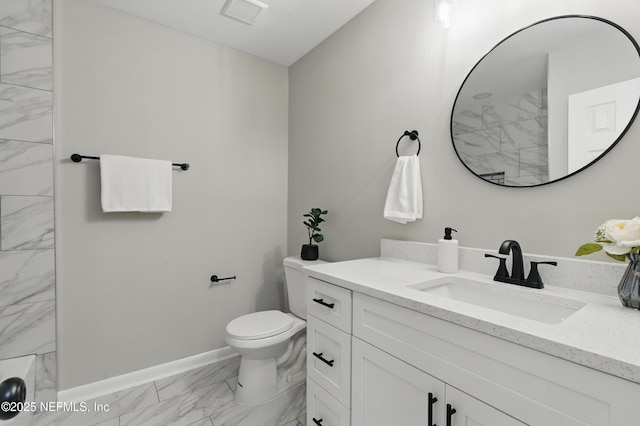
[{"x": 310, "y": 251}]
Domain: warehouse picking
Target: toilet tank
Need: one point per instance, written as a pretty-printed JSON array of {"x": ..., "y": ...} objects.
[{"x": 295, "y": 284}]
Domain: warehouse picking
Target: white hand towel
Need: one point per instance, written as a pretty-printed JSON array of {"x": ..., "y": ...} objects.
[
  {"x": 135, "y": 184},
  {"x": 404, "y": 198}
]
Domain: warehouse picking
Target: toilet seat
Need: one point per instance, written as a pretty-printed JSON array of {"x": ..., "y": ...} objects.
[{"x": 259, "y": 325}]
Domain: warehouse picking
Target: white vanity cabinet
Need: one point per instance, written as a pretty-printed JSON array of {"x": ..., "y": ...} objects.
[
  {"x": 487, "y": 379},
  {"x": 398, "y": 366},
  {"x": 388, "y": 391},
  {"x": 328, "y": 354}
]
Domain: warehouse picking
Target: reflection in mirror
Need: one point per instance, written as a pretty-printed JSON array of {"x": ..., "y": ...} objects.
[{"x": 547, "y": 101}]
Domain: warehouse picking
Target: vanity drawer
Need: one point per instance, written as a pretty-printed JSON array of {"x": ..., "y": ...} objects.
[
  {"x": 330, "y": 303},
  {"x": 329, "y": 359},
  {"x": 325, "y": 409}
]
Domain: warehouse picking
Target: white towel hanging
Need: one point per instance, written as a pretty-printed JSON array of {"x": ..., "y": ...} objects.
[
  {"x": 132, "y": 184},
  {"x": 404, "y": 197}
]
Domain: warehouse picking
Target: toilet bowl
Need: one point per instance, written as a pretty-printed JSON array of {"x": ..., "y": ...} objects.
[{"x": 272, "y": 344}]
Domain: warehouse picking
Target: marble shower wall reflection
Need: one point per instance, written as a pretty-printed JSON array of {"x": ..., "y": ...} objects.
[
  {"x": 506, "y": 136},
  {"x": 27, "y": 269}
]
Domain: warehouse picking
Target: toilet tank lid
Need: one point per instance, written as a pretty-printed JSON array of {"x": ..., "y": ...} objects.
[{"x": 296, "y": 262}]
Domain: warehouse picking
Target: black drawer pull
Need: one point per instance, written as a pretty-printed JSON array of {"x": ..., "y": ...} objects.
[
  {"x": 432, "y": 400},
  {"x": 318, "y": 422},
  {"x": 323, "y": 303},
  {"x": 450, "y": 412},
  {"x": 319, "y": 356}
]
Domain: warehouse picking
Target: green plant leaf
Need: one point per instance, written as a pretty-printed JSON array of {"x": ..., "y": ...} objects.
[
  {"x": 312, "y": 223},
  {"x": 588, "y": 249},
  {"x": 620, "y": 257}
]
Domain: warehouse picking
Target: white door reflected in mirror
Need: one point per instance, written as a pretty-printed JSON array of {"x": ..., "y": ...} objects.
[{"x": 596, "y": 117}]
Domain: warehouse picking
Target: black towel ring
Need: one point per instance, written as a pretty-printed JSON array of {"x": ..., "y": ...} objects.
[{"x": 413, "y": 135}]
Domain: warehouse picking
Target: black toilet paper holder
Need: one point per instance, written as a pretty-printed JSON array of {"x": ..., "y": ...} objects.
[{"x": 215, "y": 279}]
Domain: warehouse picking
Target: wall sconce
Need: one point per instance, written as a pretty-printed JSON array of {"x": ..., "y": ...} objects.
[{"x": 445, "y": 12}]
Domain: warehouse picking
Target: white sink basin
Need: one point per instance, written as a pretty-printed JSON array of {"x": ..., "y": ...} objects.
[{"x": 507, "y": 298}]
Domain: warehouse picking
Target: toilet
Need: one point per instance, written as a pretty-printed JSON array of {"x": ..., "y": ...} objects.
[{"x": 272, "y": 344}]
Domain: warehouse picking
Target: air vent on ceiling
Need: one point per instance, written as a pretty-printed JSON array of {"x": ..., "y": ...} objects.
[{"x": 243, "y": 10}]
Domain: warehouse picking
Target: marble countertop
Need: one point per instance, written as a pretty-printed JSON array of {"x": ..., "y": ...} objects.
[{"x": 602, "y": 335}]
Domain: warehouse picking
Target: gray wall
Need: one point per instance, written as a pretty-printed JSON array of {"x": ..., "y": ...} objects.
[
  {"x": 134, "y": 289},
  {"x": 27, "y": 275},
  {"x": 391, "y": 69}
]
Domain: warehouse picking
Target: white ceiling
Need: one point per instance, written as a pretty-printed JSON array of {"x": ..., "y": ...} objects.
[{"x": 282, "y": 33}]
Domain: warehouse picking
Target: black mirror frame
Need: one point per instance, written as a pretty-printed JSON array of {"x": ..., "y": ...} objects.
[{"x": 614, "y": 143}]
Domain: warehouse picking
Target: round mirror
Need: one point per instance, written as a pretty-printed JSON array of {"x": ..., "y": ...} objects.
[{"x": 547, "y": 101}]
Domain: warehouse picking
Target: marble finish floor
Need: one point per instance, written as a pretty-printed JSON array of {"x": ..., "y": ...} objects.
[{"x": 199, "y": 397}]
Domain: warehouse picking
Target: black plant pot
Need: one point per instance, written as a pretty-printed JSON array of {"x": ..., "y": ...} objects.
[{"x": 309, "y": 252}]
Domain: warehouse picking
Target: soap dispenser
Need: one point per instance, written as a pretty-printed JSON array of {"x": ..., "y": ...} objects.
[{"x": 448, "y": 253}]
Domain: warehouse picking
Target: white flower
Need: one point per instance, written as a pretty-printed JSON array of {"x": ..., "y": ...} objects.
[
  {"x": 615, "y": 249},
  {"x": 623, "y": 234}
]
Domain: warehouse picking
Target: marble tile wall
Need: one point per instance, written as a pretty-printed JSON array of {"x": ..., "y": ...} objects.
[
  {"x": 27, "y": 243},
  {"x": 507, "y": 137}
]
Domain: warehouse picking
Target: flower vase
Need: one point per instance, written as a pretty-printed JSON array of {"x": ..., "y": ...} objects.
[{"x": 629, "y": 287}]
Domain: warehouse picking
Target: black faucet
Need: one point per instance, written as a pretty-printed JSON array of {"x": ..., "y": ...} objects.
[{"x": 517, "y": 267}]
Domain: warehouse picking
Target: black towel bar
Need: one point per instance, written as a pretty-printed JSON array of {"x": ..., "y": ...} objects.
[{"x": 76, "y": 158}]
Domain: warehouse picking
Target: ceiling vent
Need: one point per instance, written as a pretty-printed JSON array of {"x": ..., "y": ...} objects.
[{"x": 243, "y": 10}]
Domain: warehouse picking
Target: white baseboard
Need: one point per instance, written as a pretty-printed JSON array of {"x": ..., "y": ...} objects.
[{"x": 139, "y": 377}]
